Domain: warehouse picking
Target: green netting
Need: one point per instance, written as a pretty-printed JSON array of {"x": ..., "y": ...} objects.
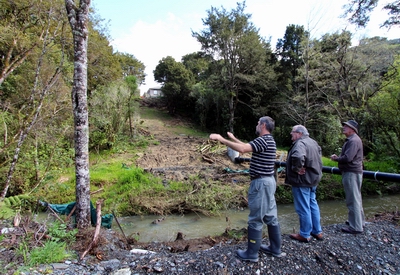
[{"x": 65, "y": 209}]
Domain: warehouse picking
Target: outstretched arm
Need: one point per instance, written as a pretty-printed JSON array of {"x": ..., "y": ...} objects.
[
  {"x": 232, "y": 137},
  {"x": 236, "y": 145}
]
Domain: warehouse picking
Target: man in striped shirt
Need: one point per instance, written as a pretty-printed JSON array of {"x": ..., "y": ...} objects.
[{"x": 261, "y": 194}]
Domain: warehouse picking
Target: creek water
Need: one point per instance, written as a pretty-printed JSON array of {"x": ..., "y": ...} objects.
[{"x": 197, "y": 226}]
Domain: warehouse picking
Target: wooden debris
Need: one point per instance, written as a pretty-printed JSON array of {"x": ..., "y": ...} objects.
[
  {"x": 208, "y": 159},
  {"x": 97, "y": 230},
  {"x": 144, "y": 132},
  {"x": 179, "y": 236}
]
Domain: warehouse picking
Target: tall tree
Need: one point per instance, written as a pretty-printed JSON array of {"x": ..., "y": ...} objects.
[
  {"x": 78, "y": 17},
  {"x": 131, "y": 66},
  {"x": 238, "y": 52},
  {"x": 132, "y": 108},
  {"x": 290, "y": 51},
  {"x": 177, "y": 82},
  {"x": 359, "y": 11}
]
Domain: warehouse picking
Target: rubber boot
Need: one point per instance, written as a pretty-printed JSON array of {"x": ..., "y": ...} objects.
[
  {"x": 274, "y": 248},
  {"x": 253, "y": 245}
]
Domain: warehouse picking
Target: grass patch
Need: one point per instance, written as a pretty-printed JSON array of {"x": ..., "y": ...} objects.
[
  {"x": 33, "y": 252},
  {"x": 387, "y": 166},
  {"x": 154, "y": 113},
  {"x": 139, "y": 193},
  {"x": 51, "y": 252},
  {"x": 180, "y": 128}
]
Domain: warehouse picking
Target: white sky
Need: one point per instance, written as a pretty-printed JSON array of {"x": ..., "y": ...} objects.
[{"x": 153, "y": 29}]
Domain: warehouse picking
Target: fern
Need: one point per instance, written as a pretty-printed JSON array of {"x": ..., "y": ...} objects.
[
  {"x": 11, "y": 205},
  {"x": 18, "y": 202},
  {"x": 6, "y": 212}
]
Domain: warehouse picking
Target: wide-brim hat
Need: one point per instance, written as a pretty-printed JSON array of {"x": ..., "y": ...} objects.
[{"x": 352, "y": 124}]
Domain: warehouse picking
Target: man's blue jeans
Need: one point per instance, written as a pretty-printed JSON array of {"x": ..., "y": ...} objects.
[
  {"x": 306, "y": 206},
  {"x": 262, "y": 204}
]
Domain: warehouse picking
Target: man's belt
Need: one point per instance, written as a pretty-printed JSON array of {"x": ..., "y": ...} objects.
[{"x": 260, "y": 176}]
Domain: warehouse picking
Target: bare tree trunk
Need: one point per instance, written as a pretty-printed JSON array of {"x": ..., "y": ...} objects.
[{"x": 78, "y": 18}]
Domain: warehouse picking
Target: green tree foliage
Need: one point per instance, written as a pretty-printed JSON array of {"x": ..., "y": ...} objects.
[
  {"x": 206, "y": 99},
  {"x": 103, "y": 64},
  {"x": 384, "y": 117},
  {"x": 28, "y": 90},
  {"x": 131, "y": 66},
  {"x": 22, "y": 26},
  {"x": 239, "y": 55},
  {"x": 132, "y": 105},
  {"x": 177, "y": 82},
  {"x": 36, "y": 59},
  {"x": 198, "y": 63},
  {"x": 325, "y": 81},
  {"x": 289, "y": 51},
  {"x": 358, "y": 12},
  {"x": 111, "y": 107},
  {"x": 347, "y": 77}
]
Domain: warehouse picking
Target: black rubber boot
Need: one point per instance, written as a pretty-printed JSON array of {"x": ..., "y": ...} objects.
[
  {"x": 274, "y": 248},
  {"x": 253, "y": 245}
]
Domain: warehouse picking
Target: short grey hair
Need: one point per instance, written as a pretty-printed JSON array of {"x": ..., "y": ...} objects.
[
  {"x": 301, "y": 129},
  {"x": 269, "y": 123}
]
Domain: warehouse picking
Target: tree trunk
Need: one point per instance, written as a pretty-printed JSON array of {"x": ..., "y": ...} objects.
[{"x": 78, "y": 18}]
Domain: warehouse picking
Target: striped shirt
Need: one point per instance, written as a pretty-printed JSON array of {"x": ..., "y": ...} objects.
[{"x": 263, "y": 157}]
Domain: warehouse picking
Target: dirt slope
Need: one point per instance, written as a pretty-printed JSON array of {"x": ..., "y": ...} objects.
[{"x": 180, "y": 156}]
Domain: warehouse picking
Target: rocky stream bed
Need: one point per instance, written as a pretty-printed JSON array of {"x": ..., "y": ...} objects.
[{"x": 376, "y": 251}]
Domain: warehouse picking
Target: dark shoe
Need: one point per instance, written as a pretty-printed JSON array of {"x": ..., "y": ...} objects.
[
  {"x": 274, "y": 247},
  {"x": 267, "y": 250},
  {"x": 350, "y": 231},
  {"x": 299, "y": 238},
  {"x": 319, "y": 236},
  {"x": 253, "y": 245},
  {"x": 347, "y": 223}
]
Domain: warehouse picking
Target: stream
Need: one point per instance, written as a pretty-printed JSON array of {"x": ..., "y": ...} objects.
[{"x": 196, "y": 226}]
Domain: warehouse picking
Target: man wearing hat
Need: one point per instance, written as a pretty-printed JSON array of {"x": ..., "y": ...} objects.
[{"x": 350, "y": 164}]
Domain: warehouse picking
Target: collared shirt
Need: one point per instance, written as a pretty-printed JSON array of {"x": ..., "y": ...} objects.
[{"x": 263, "y": 157}]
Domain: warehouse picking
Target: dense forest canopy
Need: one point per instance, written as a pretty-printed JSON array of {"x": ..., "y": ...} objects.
[{"x": 235, "y": 78}]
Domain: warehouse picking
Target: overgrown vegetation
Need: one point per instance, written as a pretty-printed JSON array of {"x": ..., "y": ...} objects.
[
  {"x": 129, "y": 190},
  {"x": 43, "y": 242},
  {"x": 218, "y": 89}
]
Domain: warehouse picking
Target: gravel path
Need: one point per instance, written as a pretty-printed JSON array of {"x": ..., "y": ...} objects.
[{"x": 376, "y": 251}]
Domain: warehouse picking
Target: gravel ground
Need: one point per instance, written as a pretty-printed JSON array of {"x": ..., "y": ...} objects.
[{"x": 376, "y": 251}]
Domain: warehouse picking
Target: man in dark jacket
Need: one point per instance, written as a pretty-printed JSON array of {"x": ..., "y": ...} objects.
[
  {"x": 303, "y": 173},
  {"x": 350, "y": 164}
]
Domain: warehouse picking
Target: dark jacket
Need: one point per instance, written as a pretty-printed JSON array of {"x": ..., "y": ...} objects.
[
  {"x": 305, "y": 152},
  {"x": 351, "y": 157}
]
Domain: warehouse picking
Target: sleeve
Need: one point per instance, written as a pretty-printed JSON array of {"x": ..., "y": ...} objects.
[
  {"x": 298, "y": 156},
  {"x": 348, "y": 152}
]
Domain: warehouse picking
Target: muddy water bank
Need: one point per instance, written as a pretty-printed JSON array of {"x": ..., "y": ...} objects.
[{"x": 160, "y": 229}]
